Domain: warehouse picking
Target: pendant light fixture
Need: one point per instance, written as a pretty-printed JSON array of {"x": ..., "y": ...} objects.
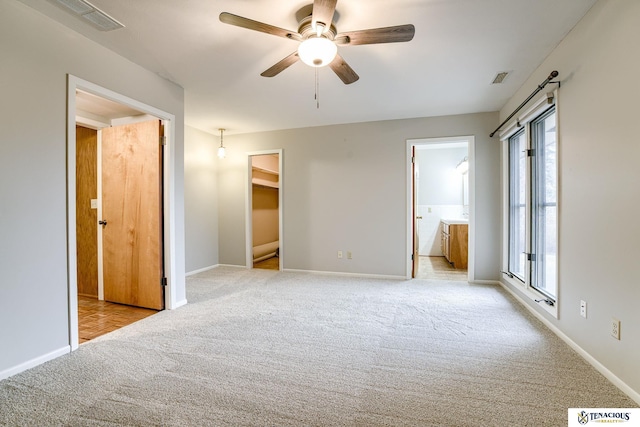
[{"x": 221, "y": 149}]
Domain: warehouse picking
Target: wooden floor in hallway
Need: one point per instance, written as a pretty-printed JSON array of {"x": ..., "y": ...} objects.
[
  {"x": 96, "y": 318},
  {"x": 438, "y": 268}
]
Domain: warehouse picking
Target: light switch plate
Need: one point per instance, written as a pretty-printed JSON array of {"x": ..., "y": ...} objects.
[{"x": 94, "y": 203}]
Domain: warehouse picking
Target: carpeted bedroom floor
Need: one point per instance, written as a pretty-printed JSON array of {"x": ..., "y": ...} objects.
[{"x": 268, "y": 348}]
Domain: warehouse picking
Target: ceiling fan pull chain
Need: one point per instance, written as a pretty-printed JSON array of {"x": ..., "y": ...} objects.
[{"x": 317, "y": 90}]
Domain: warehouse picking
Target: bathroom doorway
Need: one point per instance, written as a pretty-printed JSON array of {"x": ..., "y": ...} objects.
[{"x": 440, "y": 206}]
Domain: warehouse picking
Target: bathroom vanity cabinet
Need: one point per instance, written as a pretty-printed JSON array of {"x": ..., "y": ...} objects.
[{"x": 454, "y": 242}]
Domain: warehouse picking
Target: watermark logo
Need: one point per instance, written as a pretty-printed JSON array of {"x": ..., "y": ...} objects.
[
  {"x": 583, "y": 417},
  {"x": 598, "y": 416}
]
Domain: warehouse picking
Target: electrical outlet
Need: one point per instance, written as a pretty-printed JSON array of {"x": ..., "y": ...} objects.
[
  {"x": 339, "y": 254},
  {"x": 349, "y": 255},
  {"x": 615, "y": 328},
  {"x": 583, "y": 309}
]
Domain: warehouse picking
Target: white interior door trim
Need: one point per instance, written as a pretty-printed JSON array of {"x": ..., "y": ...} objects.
[{"x": 169, "y": 196}]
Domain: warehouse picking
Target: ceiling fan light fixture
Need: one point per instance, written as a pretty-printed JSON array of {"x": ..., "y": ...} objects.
[{"x": 317, "y": 51}]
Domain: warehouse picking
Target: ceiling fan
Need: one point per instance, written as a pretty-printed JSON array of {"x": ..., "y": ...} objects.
[{"x": 319, "y": 39}]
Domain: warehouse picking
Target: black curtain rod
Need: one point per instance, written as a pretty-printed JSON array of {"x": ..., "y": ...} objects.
[{"x": 541, "y": 86}]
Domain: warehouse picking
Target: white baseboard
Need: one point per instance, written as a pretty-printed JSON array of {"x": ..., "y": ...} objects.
[
  {"x": 180, "y": 303},
  {"x": 201, "y": 270},
  {"x": 34, "y": 362},
  {"x": 633, "y": 394},
  {"x": 485, "y": 282},
  {"x": 233, "y": 266},
  {"x": 340, "y": 273}
]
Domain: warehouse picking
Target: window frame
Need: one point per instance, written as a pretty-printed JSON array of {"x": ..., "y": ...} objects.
[
  {"x": 511, "y": 251},
  {"x": 523, "y": 123}
]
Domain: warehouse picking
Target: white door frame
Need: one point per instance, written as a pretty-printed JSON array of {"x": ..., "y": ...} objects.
[
  {"x": 472, "y": 199},
  {"x": 169, "y": 216},
  {"x": 249, "y": 203}
]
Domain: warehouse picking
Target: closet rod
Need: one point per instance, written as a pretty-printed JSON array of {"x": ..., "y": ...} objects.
[{"x": 541, "y": 86}]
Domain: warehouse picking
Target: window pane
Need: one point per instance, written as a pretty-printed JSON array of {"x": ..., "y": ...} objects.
[
  {"x": 544, "y": 203},
  {"x": 517, "y": 204}
]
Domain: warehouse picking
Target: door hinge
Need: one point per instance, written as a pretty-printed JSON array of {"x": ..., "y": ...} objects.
[
  {"x": 163, "y": 140},
  {"x": 163, "y": 281},
  {"x": 530, "y": 152},
  {"x": 530, "y": 257},
  {"x": 411, "y": 257},
  {"x": 413, "y": 159}
]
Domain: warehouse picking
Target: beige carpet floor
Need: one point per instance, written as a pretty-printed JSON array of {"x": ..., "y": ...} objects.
[{"x": 267, "y": 348}]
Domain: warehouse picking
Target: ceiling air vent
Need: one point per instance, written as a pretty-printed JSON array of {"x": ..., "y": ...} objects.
[
  {"x": 94, "y": 16},
  {"x": 499, "y": 78}
]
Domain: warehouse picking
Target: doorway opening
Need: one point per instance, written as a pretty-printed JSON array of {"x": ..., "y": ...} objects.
[
  {"x": 264, "y": 210},
  {"x": 441, "y": 210},
  {"x": 120, "y": 234}
]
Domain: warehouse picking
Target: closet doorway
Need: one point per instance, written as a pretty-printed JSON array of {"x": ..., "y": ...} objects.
[{"x": 264, "y": 213}]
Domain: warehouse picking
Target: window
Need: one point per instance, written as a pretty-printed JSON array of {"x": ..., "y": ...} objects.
[
  {"x": 517, "y": 204},
  {"x": 544, "y": 203},
  {"x": 532, "y": 204}
]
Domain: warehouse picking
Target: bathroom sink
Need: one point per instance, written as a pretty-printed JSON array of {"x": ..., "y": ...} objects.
[{"x": 456, "y": 220}]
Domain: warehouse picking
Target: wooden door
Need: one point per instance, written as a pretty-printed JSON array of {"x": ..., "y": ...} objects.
[
  {"x": 132, "y": 209},
  {"x": 86, "y": 214}
]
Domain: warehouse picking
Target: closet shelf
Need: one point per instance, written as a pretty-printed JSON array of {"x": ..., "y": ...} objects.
[
  {"x": 265, "y": 183},
  {"x": 269, "y": 171}
]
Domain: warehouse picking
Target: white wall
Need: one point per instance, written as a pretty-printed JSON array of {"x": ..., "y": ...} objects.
[
  {"x": 599, "y": 198},
  {"x": 200, "y": 199},
  {"x": 345, "y": 188},
  {"x": 440, "y": 193},
  {"x": 440, "y": 183},
  {"x": 36, "y": 55}
]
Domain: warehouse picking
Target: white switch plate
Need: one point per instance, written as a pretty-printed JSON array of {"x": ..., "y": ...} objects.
[
  {"x": 349, "y": 255},
  {"x": 583, "y": 309},
  {"x": 94, "y": 203},
  {"x": 339, "y": 254}
]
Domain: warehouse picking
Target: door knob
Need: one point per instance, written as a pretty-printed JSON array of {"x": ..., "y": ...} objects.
[
  {"x": 418, "y": 217},
  {"x": 102, "y": 222}
]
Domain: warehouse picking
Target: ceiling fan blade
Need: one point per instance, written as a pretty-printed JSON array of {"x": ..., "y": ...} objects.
[
  {"x": 399, "y": 33},
  {"x": 343, "y": 70},
  {"x": 281, "y": 65},
  {"x": 239, "y": 21},
  {"x": 323, "y": 11}
]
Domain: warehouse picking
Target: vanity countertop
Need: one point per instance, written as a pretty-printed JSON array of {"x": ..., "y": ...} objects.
[{"x": 455, "y": 220}]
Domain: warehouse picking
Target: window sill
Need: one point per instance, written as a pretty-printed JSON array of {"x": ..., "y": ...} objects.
[{"x": 528, "y": 296}]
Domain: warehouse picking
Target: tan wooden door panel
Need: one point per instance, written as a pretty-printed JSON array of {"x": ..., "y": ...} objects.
[
  {"x": 86, "y": 216},
  {"x": 132, "y": 209}
]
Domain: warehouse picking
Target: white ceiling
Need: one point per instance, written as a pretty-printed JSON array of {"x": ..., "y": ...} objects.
[{"x": 458, "y": 48}]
